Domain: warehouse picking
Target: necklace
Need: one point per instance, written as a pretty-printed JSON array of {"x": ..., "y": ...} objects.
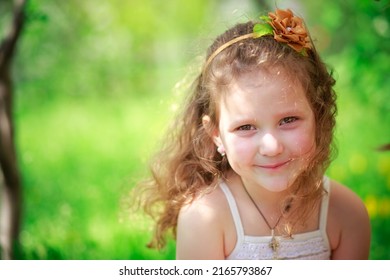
[{"x": 274, "y": 243}]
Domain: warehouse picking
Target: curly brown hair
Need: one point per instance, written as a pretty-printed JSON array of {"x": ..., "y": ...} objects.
[{"x": 189, "y": 165}]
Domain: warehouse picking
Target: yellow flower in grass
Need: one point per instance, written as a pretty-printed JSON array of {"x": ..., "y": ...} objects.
[
  {"x": 377, "y": 206},
  {"x": 372, "y": 205},
  {"x": 358, "y": 164},
  {"x": 384, "y": 207}
]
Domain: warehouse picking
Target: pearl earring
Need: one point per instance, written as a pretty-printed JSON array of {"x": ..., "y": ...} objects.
[{"x": 221, "y": 150}]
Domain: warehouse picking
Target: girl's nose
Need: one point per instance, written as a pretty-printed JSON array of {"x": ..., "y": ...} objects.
[{"x": 270, "y": 146}]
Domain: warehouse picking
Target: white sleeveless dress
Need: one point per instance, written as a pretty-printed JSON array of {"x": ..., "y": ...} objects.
[{"x": 309, "y": 245}]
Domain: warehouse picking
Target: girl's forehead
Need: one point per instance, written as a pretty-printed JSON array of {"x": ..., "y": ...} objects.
[
  {"x": 274, "y": 82},
  {"x": 259, "y": 77},
  {"x": 267, "y": 91}
]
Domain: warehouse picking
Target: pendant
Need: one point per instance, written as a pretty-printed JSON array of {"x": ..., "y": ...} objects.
[{"x": 274, "y": 243}]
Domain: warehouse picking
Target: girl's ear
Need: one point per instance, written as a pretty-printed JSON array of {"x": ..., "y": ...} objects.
[{"x": 214, "y": 134}]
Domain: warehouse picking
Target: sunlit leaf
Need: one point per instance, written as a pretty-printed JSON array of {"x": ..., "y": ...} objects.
[{"x": 261, "y": 29}]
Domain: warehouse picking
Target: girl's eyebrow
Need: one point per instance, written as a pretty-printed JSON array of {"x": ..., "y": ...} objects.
[
  {"x": 241, "y": 120},
  {"x": 293, "y": 108},
  {"x": 290, "y": 112}
]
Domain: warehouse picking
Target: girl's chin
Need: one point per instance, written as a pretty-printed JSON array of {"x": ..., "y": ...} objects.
[
  {"x": 275, "y": 189},
  {"x": 276, "y": 185}
]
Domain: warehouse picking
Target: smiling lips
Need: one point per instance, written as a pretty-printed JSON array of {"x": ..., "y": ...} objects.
[{"x": 274, "y": 166}]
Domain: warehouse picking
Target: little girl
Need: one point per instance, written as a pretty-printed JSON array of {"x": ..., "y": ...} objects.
[{"x": 241, "y": 174}]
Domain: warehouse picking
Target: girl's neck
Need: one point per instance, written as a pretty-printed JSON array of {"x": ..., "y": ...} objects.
[{"x": 261, "y": 195}]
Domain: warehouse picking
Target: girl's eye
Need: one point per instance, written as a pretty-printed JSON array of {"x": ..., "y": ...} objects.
[
  {"x": 246, "y": 127},
  {"x": 288, "y": 120}
]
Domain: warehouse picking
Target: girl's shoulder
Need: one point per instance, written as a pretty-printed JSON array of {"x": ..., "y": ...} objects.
[
  {"x": 344, "y": 202},
  {"x": 348, "y": 224},
  {"x": 201, "y": 227},
  {"x": 206, "y": 206}
]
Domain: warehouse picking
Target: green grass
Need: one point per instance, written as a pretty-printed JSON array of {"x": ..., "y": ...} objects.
[{"x": 79, "y": 158}]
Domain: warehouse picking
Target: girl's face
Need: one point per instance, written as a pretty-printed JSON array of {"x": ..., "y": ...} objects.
[{"x": 267, "y": 128}]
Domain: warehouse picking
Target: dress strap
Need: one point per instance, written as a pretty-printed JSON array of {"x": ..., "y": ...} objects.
[
  {"x": 324, "y": 210},
  {"x": 325, "y": 204},
  {"x": 234, "y": 211}
]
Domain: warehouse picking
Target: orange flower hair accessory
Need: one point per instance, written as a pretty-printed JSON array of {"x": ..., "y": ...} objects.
[
  {"x": 286, "y": 28},
  {"x": 289, "y": 29}
]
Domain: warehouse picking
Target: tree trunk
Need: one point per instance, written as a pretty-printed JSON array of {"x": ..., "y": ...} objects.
[{"x": 10, "y": 183}]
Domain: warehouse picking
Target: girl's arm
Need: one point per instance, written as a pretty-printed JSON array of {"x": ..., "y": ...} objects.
[{"x": 348, "y": 225}]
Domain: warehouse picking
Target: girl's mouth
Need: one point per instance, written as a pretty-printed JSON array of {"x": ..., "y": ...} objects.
[{"x": 275, "y": 166}]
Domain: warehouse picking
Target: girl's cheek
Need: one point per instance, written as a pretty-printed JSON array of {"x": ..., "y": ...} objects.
[
  {"x": 303, "y": 143},
  {"x": 241, "y": 146}
]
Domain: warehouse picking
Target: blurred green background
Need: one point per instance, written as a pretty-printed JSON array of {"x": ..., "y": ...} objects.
[{"x": 97, "y": 81}]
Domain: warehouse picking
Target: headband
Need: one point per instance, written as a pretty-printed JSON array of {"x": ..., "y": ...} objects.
[{"x": 283, "y": 25}]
